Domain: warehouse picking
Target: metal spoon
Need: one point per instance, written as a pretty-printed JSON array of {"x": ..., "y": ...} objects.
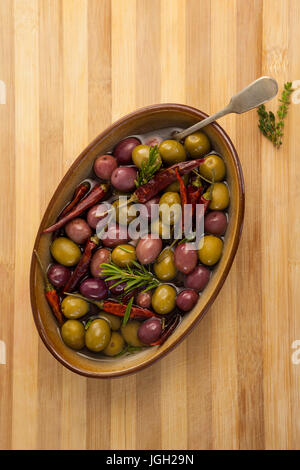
[{"x": 258, "y": 92}]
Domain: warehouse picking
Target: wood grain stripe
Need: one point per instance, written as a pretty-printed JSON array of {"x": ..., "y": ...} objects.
[
  {"x": 7, "y": 234},
  {"x": 51, "y": 165},
  {"x": 199, "y": 392},
  {"x": 224, "y": 321},
  {"x": 250, "y": 365},
  {"x": 75, "y": 78},
  {"x": 293, "y": 216},
  {"x": 275, "y": 171},
  {"x": 25, "y": 391}
]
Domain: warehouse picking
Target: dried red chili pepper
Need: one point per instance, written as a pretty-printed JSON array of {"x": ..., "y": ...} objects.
[
  {"x": 168, "y": 330},
  {"x": 194, "y": 191},
  {"x": 118, "y": 309},
  {"x": 80, "y": 192},
  {"x": 83, "y": 265},
  {"x": 162, "y": 179},
  {"x": 95, "y": 195},
  {"x": 183, "y": 195},
  {"x": 50, "y": 293}
]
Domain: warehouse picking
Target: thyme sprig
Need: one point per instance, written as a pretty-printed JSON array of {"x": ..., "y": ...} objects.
[
  {"x": 135, "y": 276},
  {"x": 271, "y": 127},
  {"x": 148, "y": 168}
]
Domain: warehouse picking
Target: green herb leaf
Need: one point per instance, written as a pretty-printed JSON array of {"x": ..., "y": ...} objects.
[
  {"x": 87, "y": 325},
  {"x": 270, "y": 127},
  {"x": 149, "y": 168},
  {"x": 134, "y": 276},
  {"x": 127, "y": 312},
  {"x": 125, "y": 249}
]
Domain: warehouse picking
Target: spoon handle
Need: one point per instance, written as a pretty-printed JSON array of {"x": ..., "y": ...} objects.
[
  {"x": 261, "y": 90},
  {"x": 181, "y": 135}
]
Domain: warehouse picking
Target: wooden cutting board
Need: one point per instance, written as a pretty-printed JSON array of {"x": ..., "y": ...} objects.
[{"x": 70, "y": 68}]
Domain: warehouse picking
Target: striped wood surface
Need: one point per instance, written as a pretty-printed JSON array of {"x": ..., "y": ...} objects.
[{"x": 71, "y": 67}]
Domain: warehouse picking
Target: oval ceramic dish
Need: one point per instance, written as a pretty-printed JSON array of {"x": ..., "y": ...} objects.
[{"x": 141, "y": 121}]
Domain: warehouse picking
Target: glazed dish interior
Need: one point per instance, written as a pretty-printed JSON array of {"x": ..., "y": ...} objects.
[{"x": 147, "y": 121}]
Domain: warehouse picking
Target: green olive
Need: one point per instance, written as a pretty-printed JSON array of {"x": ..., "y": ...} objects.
[
  {"x": 140, "y": 154},
  {"x": 220, "y": 197},
  {"x": 174, "y": 187},
  {"x": 163, "y": 230},
  {"x": 65, "y": 252},
  {"x": 170, "y": 207},
  {"x": 72, "y": 333},
  {"x": 163, "y": 299},
  {"x": 98, "y": 335},
  {"x": 213, "y": 168},
  {"x": 123, "y": 255},
  {"x": 164, "y": 267},
  {"x": 115, "y": 346},
  {"x": 197, "y": 144},
  {"x": 172, "y": 152},
  {"x": 129, "y": 333},
  {"x": 170, "y": 198},
  {"x": 113, "y": 320},
  {"x": 122, "y": 213},
  {"x": 74, "y": 307},
  {"x": 210, "y": 250}
]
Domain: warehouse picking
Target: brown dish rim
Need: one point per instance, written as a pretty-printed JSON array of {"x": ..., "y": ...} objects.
[{"x": 113, "y": 127}]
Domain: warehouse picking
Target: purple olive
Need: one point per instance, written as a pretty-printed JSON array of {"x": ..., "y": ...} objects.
[
  {"x": 123, "y": 150},
  {"x": 149, "y": 210},
  {"x": 148, "y": 248},
  {"x": 186, "y": 299},
  {"x": 117, "y": 290},
  {"x": 100, "y": 256},
  {"x": 78, "y": 230},
  {"x": 150, "y": 330},
  {"x": 115, "y": 235},
  {"x": 123, "y": 178},
  {"x": 185, "y": 258},
  {"x": 104, "y": 165},
  {"x": 58, "y": 275},
  {"x": 143, "y": 299},
  {"x": 96, "y": 213},
  {"x": 153, "y": 140},
  {"x": 95, "y": 289},
  {"x": 198, "y": 278},
  {"x": 215, "y": 222}
]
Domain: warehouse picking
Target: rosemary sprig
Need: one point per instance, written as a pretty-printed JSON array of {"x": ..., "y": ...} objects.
[
  {"x": 271, "y": 127},
  {"x": 135, "y": 276},
  {"x": 127, "y": 312},
  {"x": 149, "y": 168}
]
